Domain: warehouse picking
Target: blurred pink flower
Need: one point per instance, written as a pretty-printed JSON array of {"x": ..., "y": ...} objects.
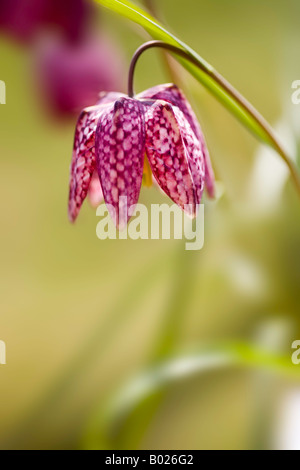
[
  {"x": 71, "y": 75},
  {"x": 70, "y": 16},
  {"x": 24, "y": 18},
  {"x": 21, "y": 18}
]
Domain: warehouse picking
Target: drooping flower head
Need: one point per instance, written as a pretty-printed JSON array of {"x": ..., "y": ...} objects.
[{"x": 113, "y": 139}]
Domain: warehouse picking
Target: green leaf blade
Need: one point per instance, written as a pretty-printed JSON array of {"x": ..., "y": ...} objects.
[{"x": 130, "y": 11}]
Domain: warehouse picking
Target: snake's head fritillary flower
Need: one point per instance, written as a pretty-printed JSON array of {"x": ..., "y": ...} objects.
[{"x": 120, "y": 136}]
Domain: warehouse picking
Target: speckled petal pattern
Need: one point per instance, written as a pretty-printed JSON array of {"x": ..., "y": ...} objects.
[
  {"x": 173, "y": 152},
  {"x": 195, "y": 157},
  {"x": 83, "y": 159},
  {"x": 112, "y": 139},
  {"x": 172, "y": 94},
  {"x": 120, "y": 148}
]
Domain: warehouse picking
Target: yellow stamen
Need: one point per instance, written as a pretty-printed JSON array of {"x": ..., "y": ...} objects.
[{"x": 147, "y": 173}]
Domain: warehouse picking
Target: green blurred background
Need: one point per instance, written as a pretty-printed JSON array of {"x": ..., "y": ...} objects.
[{"x": 82, "y": 318}]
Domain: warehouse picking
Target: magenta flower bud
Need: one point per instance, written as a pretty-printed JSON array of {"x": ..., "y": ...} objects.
[
  {"x": 71, "y": 74},
  {"x": 113, "y": 138}
]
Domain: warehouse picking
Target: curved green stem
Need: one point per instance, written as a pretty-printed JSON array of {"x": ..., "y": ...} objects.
[
  {"x": 227, "y": 87},
  {"x": 224, "y": 92},
  {"x": 171, "y": 67}
]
